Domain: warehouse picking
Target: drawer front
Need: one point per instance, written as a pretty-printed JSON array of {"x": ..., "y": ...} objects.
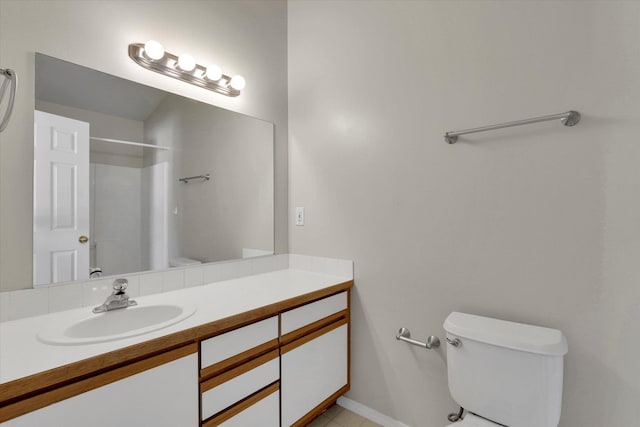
[
  {"x": 227, "y": 345},
  {"x": 223, "y": 395},
  {"x": 302, "y": 316},
  {"x": 265, "y": 413}
]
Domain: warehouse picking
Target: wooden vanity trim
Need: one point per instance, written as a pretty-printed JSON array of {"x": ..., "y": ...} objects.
[
  {"x": 242, "y": 405},
  {"x": 348, "y": 386},
  {"x": 229, "y": 323},
  {"x": 238, "y": 359},
  {"x": 41, "y": 400},
  {"x": 45, "y": 381},
  {"x": 312, "y": 327},
  {"x": 331, "y": 400},
  {"x": 313, "y": 335},
  {"x": 233, "y": 373}
]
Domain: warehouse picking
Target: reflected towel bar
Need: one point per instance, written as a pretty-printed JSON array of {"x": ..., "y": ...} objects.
[
  {"x": 405, "y": 335},
  {"x": 570, "y": 118},
  {"x": 137, "y": 144},
  {"x": 186, "y": 180},
  {"x": 10, "y": 79}
]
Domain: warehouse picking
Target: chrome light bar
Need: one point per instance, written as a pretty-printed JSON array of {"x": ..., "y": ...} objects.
[{"x": 167, "y": 64}]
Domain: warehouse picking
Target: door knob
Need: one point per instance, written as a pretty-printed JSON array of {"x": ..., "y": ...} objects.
[{"x": 83, "y": 239}]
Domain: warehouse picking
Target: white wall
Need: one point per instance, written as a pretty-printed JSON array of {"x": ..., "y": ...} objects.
[
  {"x": 243, "y": 37},
  {"x": 536, "y": 224}
]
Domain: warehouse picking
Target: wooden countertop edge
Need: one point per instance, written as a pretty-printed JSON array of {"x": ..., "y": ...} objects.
[{"x": 44, "y": 381}]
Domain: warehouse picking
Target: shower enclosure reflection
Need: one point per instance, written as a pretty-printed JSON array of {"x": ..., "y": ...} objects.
[
  {"x": 127, "y": 198},
  {"x": 122, "y": 217}
]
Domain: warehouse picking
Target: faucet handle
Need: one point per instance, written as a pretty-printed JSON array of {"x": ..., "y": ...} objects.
[{"x": 119, "y": 285}]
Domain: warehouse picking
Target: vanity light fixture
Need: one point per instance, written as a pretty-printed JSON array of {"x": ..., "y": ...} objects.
[{"x": 152, "y": 56}]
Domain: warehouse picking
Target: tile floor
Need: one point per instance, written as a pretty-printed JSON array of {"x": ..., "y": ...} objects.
[{"x": 337, "y": 416}]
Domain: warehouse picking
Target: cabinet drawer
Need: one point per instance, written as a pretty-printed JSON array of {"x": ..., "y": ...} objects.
[
  {"x": 261, "y": 409},
  {"x": 215, "y": 351},
  {"x": 224, "y": 390},
  {"x": 302, "y": 316}
]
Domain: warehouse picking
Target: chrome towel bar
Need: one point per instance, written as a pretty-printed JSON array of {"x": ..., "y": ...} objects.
[
  {"x": 186, "y": 180},
  {"x": 405, "y": 335},
  {"x": 10, "y": 79},
  {"x": 570, "y": 118},
  {"x": 137, "y": 144}
]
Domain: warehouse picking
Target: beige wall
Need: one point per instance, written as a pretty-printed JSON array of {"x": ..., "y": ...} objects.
[
  {"x": 538, "y": 224},
  {"x": 243, "y": 37}
]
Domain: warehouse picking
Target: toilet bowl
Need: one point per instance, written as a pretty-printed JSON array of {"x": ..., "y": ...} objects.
[
  {"x": 183, "y": 262},
  {"x": 471, "y": 420}
]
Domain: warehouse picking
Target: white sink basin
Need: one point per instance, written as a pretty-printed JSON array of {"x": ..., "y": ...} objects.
[{"x": 114, "y": 325}]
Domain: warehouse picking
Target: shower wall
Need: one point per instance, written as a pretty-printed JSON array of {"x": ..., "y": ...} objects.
[
  {"x": 115, "y": 218},
  {"x": 154, "y": 221}
]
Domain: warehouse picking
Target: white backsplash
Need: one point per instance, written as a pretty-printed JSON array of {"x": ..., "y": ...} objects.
[{"x": 50, "y": 299}]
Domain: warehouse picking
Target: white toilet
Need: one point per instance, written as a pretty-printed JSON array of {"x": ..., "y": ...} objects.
[{"x": 504, "y": 373}]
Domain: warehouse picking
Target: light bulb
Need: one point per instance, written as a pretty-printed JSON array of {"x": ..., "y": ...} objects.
[
  {"x": 153, "y": 50},
  {"x": 213, "y": 72},
  {"x": 238, "y": 82},
  {"x": 186, "y": 62}
]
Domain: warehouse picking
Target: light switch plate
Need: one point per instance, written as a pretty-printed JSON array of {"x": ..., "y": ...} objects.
[{"x": 299, "y": 216}]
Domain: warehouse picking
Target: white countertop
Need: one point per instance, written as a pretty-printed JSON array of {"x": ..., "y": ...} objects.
[{"x": 22, "y": 354}]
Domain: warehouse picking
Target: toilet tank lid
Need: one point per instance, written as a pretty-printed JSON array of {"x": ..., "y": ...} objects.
[
  {"x": 180, "y": 261},
  {"x": 502, "y": 333}
]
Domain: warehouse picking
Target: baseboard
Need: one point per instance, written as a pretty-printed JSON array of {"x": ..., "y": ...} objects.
[{"x": 369, "y": 413}]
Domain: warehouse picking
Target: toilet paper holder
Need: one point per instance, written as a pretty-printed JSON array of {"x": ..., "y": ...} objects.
[{"x": 405, "y": 335}]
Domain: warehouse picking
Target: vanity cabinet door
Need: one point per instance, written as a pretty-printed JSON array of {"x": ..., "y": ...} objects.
[
  {"x": 166, "y": 395},
  {"x": 314, "y": 360}
]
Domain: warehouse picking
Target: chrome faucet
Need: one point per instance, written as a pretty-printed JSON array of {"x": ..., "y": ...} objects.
[{"x": 118, "y": 299}]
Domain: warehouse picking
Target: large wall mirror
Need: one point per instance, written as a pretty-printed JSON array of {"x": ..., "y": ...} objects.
[{"x": 129, "y": 178}]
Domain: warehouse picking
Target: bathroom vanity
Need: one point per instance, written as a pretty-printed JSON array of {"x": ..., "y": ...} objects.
[{"x": 269, "y": 349}]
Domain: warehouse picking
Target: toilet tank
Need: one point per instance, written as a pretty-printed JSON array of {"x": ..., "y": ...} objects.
[{"x": 507, "y": 372}]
